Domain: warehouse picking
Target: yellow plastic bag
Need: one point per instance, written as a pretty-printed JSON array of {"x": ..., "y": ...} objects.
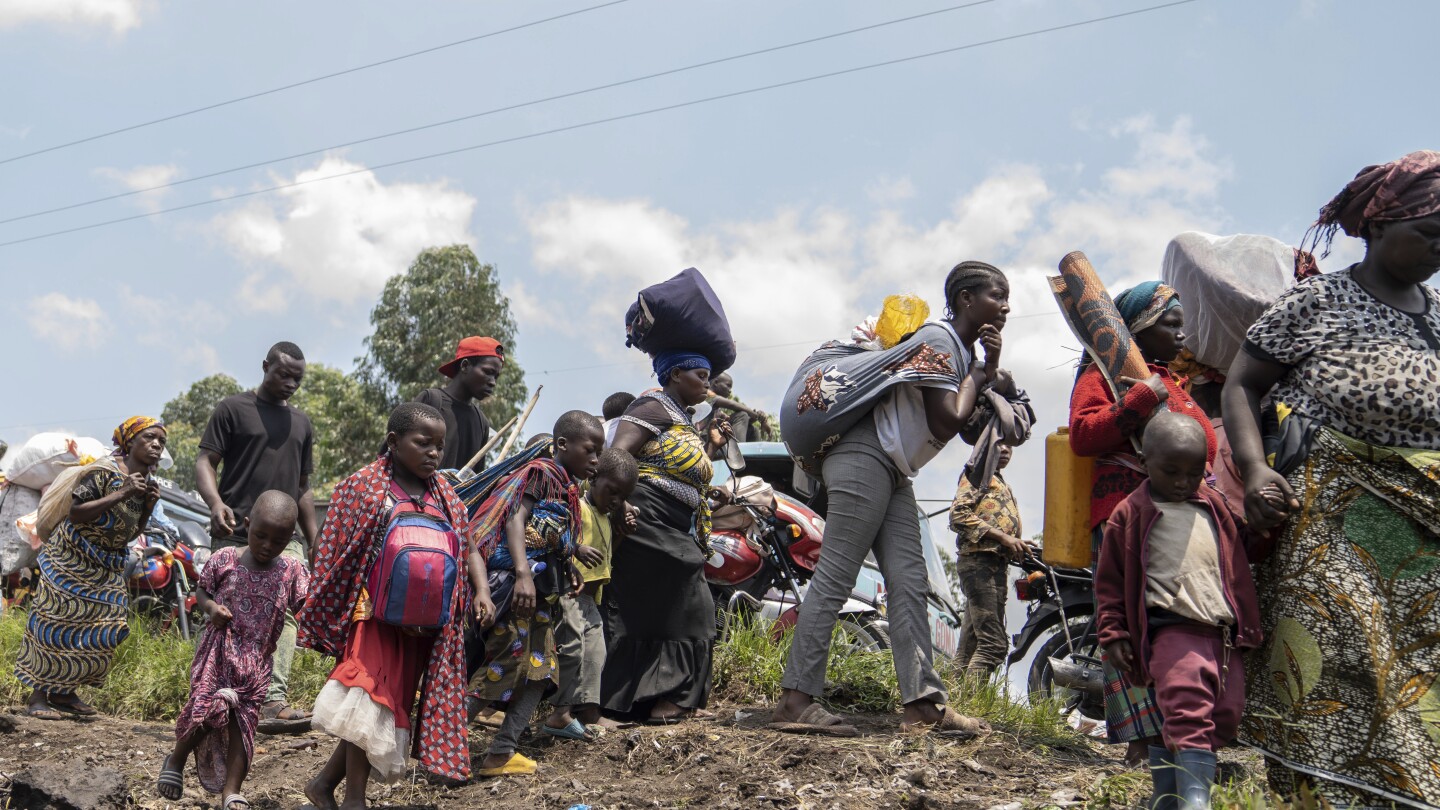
[{"x": 901, "y": 315}]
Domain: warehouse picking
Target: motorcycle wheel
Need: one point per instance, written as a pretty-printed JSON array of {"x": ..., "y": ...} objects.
[
  {"x": 1041, "y": 682},
  {"x": 863, "y": 634}
]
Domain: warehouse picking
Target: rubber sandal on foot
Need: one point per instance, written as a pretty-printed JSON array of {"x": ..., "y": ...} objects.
[
  {"x": 516, "y": 765},
  {"x": 171, "y": 781},
  {"x": 815, "y": 720},
  {"x": 575, "y": 731}
]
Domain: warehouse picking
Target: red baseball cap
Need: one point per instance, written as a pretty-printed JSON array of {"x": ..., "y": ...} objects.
[{"x": 473, "y": 347}]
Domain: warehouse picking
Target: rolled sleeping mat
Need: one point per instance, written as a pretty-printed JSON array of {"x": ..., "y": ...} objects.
[{"x": 1096, "y": 322}]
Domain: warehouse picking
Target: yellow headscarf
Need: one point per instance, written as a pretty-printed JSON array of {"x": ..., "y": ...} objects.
[{"x": 131, "y": 428}]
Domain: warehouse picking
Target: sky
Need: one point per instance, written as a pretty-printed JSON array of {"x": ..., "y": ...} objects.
[{"x": 805, "y": 205}]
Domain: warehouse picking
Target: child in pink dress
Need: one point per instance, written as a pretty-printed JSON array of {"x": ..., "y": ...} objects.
[{"x": 245, "y": 594}]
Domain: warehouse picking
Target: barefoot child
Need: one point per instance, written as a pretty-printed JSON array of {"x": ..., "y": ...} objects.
[
  {"x": 389, "y": 600},
  {"x": 1178, "y": 607},
  {"x": 245, "y": 594},
  {"x": 524, "y": 539},
  {"x": 580, "y": 636}
]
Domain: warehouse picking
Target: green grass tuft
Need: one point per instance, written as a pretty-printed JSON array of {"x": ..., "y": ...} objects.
[{"x": 150, "y": 679}]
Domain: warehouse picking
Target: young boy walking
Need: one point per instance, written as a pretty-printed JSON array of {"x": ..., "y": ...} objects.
[
  {"x": 580, "y": 635},
  {"x": 1178, "y": 607}
]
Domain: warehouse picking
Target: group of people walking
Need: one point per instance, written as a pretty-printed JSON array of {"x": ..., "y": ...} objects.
[{"x": 1271, "y": 579}]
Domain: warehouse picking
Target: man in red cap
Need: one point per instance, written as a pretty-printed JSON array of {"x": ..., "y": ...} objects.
[{"x": 473, "y": 375}]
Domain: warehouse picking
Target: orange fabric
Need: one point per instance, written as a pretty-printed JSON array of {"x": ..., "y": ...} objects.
[{"x": 387, "y": 663}]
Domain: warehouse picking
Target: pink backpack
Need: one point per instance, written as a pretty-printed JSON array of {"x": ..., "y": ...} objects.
[{"x": 412, "y": 583}]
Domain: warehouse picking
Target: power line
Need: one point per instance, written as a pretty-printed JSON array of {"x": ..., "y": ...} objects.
[
  {"x": 599, "y": 121},
  {"x": 304, "y": 82},
  {"x": 497, "y": 110}
]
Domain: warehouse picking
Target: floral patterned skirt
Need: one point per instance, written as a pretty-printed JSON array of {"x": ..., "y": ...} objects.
[{"x": 1341, "y": 696}]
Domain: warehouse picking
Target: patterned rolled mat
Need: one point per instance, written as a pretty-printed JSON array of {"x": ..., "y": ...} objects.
[{"x": 1097, "y": 324}]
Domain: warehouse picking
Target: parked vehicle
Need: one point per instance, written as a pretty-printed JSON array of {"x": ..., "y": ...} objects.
[
  {"x": 762, "y": 555},
  {"x": 1060, "y": 619},
  {"x": 165, "y": 565},
  {"x": 863, "y": 616}
]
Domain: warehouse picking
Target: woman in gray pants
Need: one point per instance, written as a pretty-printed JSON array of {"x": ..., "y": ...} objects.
[{"x": 866, "y": 422}]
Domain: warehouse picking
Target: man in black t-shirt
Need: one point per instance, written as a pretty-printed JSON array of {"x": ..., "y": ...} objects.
[
  {"x": 473, "y": 375},
  {"x": 259, "y": 442}
]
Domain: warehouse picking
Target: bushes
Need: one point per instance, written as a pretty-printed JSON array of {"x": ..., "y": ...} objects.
[{"x": 150, "y": 678}]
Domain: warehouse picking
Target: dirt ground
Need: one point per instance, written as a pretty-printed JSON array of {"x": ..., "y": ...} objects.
[{"x": 732, "y": 762}]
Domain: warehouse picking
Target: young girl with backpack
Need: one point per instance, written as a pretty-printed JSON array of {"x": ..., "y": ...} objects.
[
  {"x": 389, "y": 600},
  {"x": 525, "y": 536}
]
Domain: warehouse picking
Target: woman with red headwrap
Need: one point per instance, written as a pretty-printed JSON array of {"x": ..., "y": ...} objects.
[{"x": 1342, "y": 696}]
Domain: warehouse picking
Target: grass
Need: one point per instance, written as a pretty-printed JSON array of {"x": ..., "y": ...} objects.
[
  {"x": 150, "y": 678},
  {"x": 748, "y": 667}
]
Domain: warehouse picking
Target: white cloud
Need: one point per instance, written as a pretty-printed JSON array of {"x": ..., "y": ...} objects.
[
  {"x": 802, "y": 276},
  {"x": 117, "y": 15},
  {"x": 143, "y": 177},
  {"x": 18, "y": 133},
  {"x": 341, "y": 239},
  {"x": 607, "y": 250},
  {"x": 69, "y": 323}
]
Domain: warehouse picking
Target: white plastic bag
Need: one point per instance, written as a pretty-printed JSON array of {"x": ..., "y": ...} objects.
[
  {"x": 46, "y": 455},
  {"x": 17, "y": 547},
  {"x": 1225, "y": 284}
]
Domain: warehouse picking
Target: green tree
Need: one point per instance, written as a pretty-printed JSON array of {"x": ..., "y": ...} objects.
[
  {"x": 185, "y": 417},
  {"x": 445, "y": 295},
  {"x": 348, "y": 428}
]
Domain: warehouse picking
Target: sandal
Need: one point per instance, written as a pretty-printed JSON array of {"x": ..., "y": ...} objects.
[
  {"x": 815, "y": 720},
  {"x": 74, "y": 706},
  {"x": 235, "y": 799},
  {"x": 171, "y": 783},
  {"x": 516, "y": 765},
  {"x": 46, "y": 713},
  {"x": 278, "y": 718},
  {"x": 952, "y": 724},
  {"x": 575, "y": 731}
]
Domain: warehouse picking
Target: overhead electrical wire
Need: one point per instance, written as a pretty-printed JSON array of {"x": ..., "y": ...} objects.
[
  {"x": 312, "y": 80},
  {"x": 606, "y": 120},
  {"x": 495, "y": 111}
]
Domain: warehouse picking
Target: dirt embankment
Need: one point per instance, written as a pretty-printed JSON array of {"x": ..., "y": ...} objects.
[{"x": 733, "y": 762}]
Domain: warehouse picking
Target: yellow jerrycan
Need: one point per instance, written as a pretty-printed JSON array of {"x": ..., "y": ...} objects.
[{"x": 1068, "y": 479}]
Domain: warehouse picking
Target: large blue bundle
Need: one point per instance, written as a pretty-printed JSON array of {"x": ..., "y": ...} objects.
[{"x": 681, "y": 314}]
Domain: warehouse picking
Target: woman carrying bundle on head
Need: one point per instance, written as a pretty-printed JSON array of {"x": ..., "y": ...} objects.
[
  {"x": 658, "y": 665},
  {"x": 78, "y": 616},
  {"x": 866, "y": 422}
]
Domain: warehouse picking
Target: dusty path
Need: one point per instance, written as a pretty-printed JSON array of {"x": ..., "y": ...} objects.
[{"x": 733, "y": 762}]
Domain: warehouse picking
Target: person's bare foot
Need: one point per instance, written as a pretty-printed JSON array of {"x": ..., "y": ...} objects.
[
  {"x": 560, "y": 718},
  {"x": 1137, "y": 752},
  {"x": 320, "y": 795},
  {"x": 359, "y": 804},
  {"x": 492, "y": 761}
]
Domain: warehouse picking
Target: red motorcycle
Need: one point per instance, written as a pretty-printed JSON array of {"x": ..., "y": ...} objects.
[
  {"x": 162, "y": 576},
  {"x": 764, "y": 547}
]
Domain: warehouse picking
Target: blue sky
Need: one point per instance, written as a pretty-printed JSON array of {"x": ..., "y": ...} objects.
[{"x": 805, "y": 205}]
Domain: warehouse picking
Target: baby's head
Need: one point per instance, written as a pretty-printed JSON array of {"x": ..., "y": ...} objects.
[
  {"x": 271, "y": 525},
  {"x": 579, "y": 438},
  {"x": 1173, "y": 451},
  {"x": 615, "y": 479},
  {"x": 415, "y": 437}
]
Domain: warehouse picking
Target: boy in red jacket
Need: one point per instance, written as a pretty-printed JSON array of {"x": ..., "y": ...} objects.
[{"x": 1178, "y": 606}]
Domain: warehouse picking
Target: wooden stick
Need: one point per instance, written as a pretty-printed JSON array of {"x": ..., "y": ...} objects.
[
  {"x": 495, "y": 437},
  {"x": 505, "y": 449}
]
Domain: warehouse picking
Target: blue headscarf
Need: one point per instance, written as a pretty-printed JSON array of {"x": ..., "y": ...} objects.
[
  {"x": 1144, "y": 304},
  {"x": 666, "y": 362}
]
